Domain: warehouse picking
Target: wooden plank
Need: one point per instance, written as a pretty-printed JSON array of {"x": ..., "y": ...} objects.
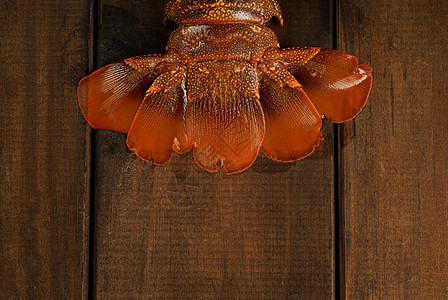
[
  {"x": 43, "y": 150},
  {"x": 394, "y": 155},
  {"x": 180, "y": 232}
]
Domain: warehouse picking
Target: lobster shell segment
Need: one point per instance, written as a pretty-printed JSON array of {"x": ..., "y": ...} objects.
[
  {"x": 224, "y": 118},
  {"x": 222, "y": 11}
]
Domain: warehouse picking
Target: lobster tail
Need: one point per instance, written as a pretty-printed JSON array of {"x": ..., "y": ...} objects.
[
  {"x": 224, "y": 118},
  {"x": 224, "y": 89},
  {"x": 218, "y": 11},
  {"x": 334, "y": 81},
  {"x": 158, "y": 127},
  {"x": 110, "y": 96},
  {"x": 292, "y": 122}
]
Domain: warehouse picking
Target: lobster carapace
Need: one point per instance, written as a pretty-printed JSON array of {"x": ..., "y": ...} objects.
[{"x": 224, "y": 89}]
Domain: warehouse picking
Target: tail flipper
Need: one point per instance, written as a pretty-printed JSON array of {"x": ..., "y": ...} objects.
[{"x": 224, "y": 118}]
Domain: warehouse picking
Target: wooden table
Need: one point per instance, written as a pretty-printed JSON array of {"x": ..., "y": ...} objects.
[{"x": 365, "y": 217}]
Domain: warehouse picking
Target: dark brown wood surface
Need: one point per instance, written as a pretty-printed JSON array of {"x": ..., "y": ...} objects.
[
  {"x": 180, "y": 232},
  {"x": 43, "y": 150},
  {"x": 395, "y": 155}
]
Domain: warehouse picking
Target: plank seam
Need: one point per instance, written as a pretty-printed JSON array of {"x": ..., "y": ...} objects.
[
  {"x": 338, "y": 217},
  {"x": 94, "y": 9}
]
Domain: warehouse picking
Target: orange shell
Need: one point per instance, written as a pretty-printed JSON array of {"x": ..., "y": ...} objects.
[{"x": 224, "y": 90}]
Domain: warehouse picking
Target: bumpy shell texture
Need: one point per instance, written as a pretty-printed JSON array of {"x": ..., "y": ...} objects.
[
  {"x": 225, "y": 90},
  {"x": 209, "y": 11}
]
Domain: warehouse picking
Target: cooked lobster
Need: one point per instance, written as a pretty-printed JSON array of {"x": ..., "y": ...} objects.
[{"x": 224, "y": 89}]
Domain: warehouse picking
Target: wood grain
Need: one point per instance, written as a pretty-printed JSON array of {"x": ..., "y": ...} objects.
[
  {"x": 394, "y": 155},
  {"x": 43, "y": 150},
  {"x": 179, "y": 232}
]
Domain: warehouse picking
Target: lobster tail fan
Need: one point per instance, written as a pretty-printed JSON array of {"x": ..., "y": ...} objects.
[
  {"x": 158, "y": 127},
  {"x": 224, "y": 118},
  {"x": 336, "y": 83},
  {"x": 110, "y": 96},
  {"x": 292, "y": 122}
]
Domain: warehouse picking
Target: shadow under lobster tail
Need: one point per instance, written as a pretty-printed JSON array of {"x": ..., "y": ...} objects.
[{"x": 224, "y": 118}]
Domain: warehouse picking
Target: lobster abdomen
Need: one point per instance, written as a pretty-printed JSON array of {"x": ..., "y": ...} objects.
[
  {"x": 222, "y": 11},
  {"x": 222, "y": 41},
  {"x": 225, "y": 90}
]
